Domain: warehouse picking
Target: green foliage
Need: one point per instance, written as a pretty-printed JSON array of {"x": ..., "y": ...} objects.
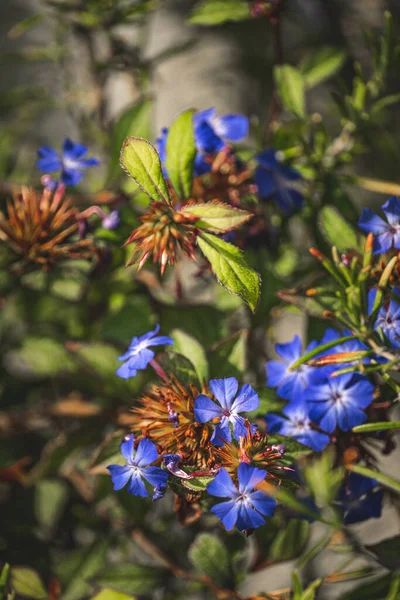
[
  {"x": 190, "y": 348},
  {"x": 321, "y": 65},
  {"x": 130, "y": 578},
  {"x": 337, "y": 230},
  {"x": 231, "y": 269},
  {"x": 387, "y": 552},
  {"x": 210, "y": 556},
  {"x": 141, "y": 161},
  {"x": 181, "y": 152},
  {"x": 291, "y": 87},
  {"x": 77, "y": 569},
  {"x": 216, "y": 12},
  {"x": 217, "y": 217},
  {"x": 27, "y": 583},
  {"x": 290, "y": 541}
]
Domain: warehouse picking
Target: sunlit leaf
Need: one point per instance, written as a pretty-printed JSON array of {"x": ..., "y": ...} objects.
[{"x": 181, "y": 152}]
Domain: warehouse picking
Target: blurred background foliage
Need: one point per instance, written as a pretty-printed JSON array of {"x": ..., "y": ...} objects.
[{"x": 99, "y": 71}]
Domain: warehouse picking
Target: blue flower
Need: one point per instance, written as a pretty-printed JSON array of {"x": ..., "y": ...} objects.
[
  {"x": 112, "y": 220},
  {"x": 340, "y": 401},
  {"x": 137, "y": 468},
  {"x": 360, "y": 499},
  {"x": 245, "y": 508},
  {"x": 275, "y": 179},
  {"x": 71, "y": 163},
  {"x": 388, "y": 319},
  {"x": 387, "y": 233},
  {"x": 138, "y": 354},
  {"x": 228, "y": 409},
  {"x": 297, "y": 424},
  {"x": 290, "y": 384},
  {"x": 211, "y": 134}
]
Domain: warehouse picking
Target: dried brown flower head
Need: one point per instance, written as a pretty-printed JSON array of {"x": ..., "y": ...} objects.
[
  {"x": 164, "y": 231},
  {"x": 166, "y": 416},
  {"x": 42, "y": 228},
  {"x": 253, "y": 449}
]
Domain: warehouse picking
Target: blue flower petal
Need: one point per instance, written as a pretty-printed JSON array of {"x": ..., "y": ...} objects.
[
  {"x": 73, "y": 150},
  {"x": 391, "y": 208},
  {"x": 231, "y": 127},
  {"x": 263, "y": 503},
  {"x": 120, "y": 475},
  {"x": 206, "y": 139},
  {"x": 224, "y": 390},
  {"x": 155, "y": 476},
  {"x": 265, "y": 182},
  {"x": 250, "y": 517},
  {"x": 239, "y": 429},
  {"x": 222, "y": 486},
  {"x": 71, "y": 176},
  {"x": 221, "y": 433},
  {"x": 205, "y": 409},
  {"x": 383, "y": 243},
  {"x": 275, "y": 370},
  {"x": 125, "y": 372},
  {"x": 227, "y": 512},
  {"x": 136, "y": 486},
  {"x": 291, "y": 351},
  {"x": 146, "y": 453},
  {"x": 127, "y": 449},
  {"x": 141, "y": 359},
  {"x": 249, "y": 477},
  {"x": 371, "y": 223},
  {"x": 246, "y": 401}
]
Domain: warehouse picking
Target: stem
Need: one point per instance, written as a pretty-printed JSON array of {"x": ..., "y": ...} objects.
[
  {"x": 316, "y": 351},
  {"x": 376, "y": 185},
  {"x": 139, "y": 537},
  {"x": 159, "y": 370}
]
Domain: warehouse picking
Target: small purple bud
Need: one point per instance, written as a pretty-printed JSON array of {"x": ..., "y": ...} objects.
[
  {"x": 112, "y": 220},
  {"x": 159, "y": 492},
  {"x": 280, "y": 448},
  {"x": 49, "y": 182}
]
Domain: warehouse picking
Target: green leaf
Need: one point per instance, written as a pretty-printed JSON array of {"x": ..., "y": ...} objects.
[
  {"x": 336, "y": 229},
  {"x": 135, "y": 316},
  {"x": 182, "y": 367},
  {"x": 387, "y": 552},
  {"x": 217, "y": 217},
  {"x": 129, "y": 578},
  {"x": 27, "y": 583},
  {"x": 50, "y": 498},
  {"x": 79, "y": 566},
  {"x": 209, "y": 555},
  {"x": 141, "y": 161},
  {"x": 290, "y": 541},
  {"x": 231, "y": 269},
  {"x": 291, "y": 89},
  {"x": 42, "y": 357},
  {"x": 25, "y": 25},
  {"x": 228, "y": 358},
  {"x": 135, "y": 121},
  {"x": 382, "y": 426},
  {"x": 108, "y": 594},
  {"x": 322, "y": 64},
  {"x": 311, "y": 591},
  {"x": 181, "y": 152},
  {"x": 4, "y": 577},
  {"x": 189, "y": 347},
  {"x": 323, "y": 479},
  {"x": 197, "y": 484},
  {"x": 385, "y": 480},
  {"x": 215, "y": 12}
]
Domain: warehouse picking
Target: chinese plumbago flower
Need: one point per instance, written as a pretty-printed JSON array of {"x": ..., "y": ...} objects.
[
  {"x": 296, "y": 423},
  {"x": 274, "y": 179},
  {"x": 290, "y": 384},
  {"x": 137, "y": 468},
  {"x": 138, "y": 355},
  {"x": 71, "y": 163},
  {"x": 245, "y": 507},
  {"x": 211, "y": 133},
  {"x": 228, "y": 408},
  {"x": 387, "y": 233},
  {"x": 360, "y": 499},
  {"x": 388, "y": 320},
  {"x": 339, "y": 401}
]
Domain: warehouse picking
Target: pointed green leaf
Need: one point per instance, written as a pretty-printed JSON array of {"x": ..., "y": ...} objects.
[
  {"x": 141, "y": 161},
  {"x": 322, "y": 64},
  {"x": 79, "y": 566},
  {"x": 108, "y": 594},
  {"x": 290, "y": 540},
  {"x": 211, "y": 557},
  {"x": 291, "y": 89},
  {"x": 387, "y": 552},
  {"x": 181, "y": 152},
  {"x": 27, "y": 583},
  {"x": 217, "y": 217},
  {"x": 337, "y": 230},
  {"x": 214, "y": 12},
  {"x": 230, "y": 268},
  {"x": 197, "y": 484},
  {"x": 382, "y": 426},
  {"x": 228, "y": 357},
  {"x": 189, "y": 347}
]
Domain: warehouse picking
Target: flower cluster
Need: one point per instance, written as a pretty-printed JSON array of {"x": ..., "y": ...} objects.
[
  {"x": 71, "y": 164},
  {"x": 198, "y": 437},
  {"x": 320, "y": 401}
]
